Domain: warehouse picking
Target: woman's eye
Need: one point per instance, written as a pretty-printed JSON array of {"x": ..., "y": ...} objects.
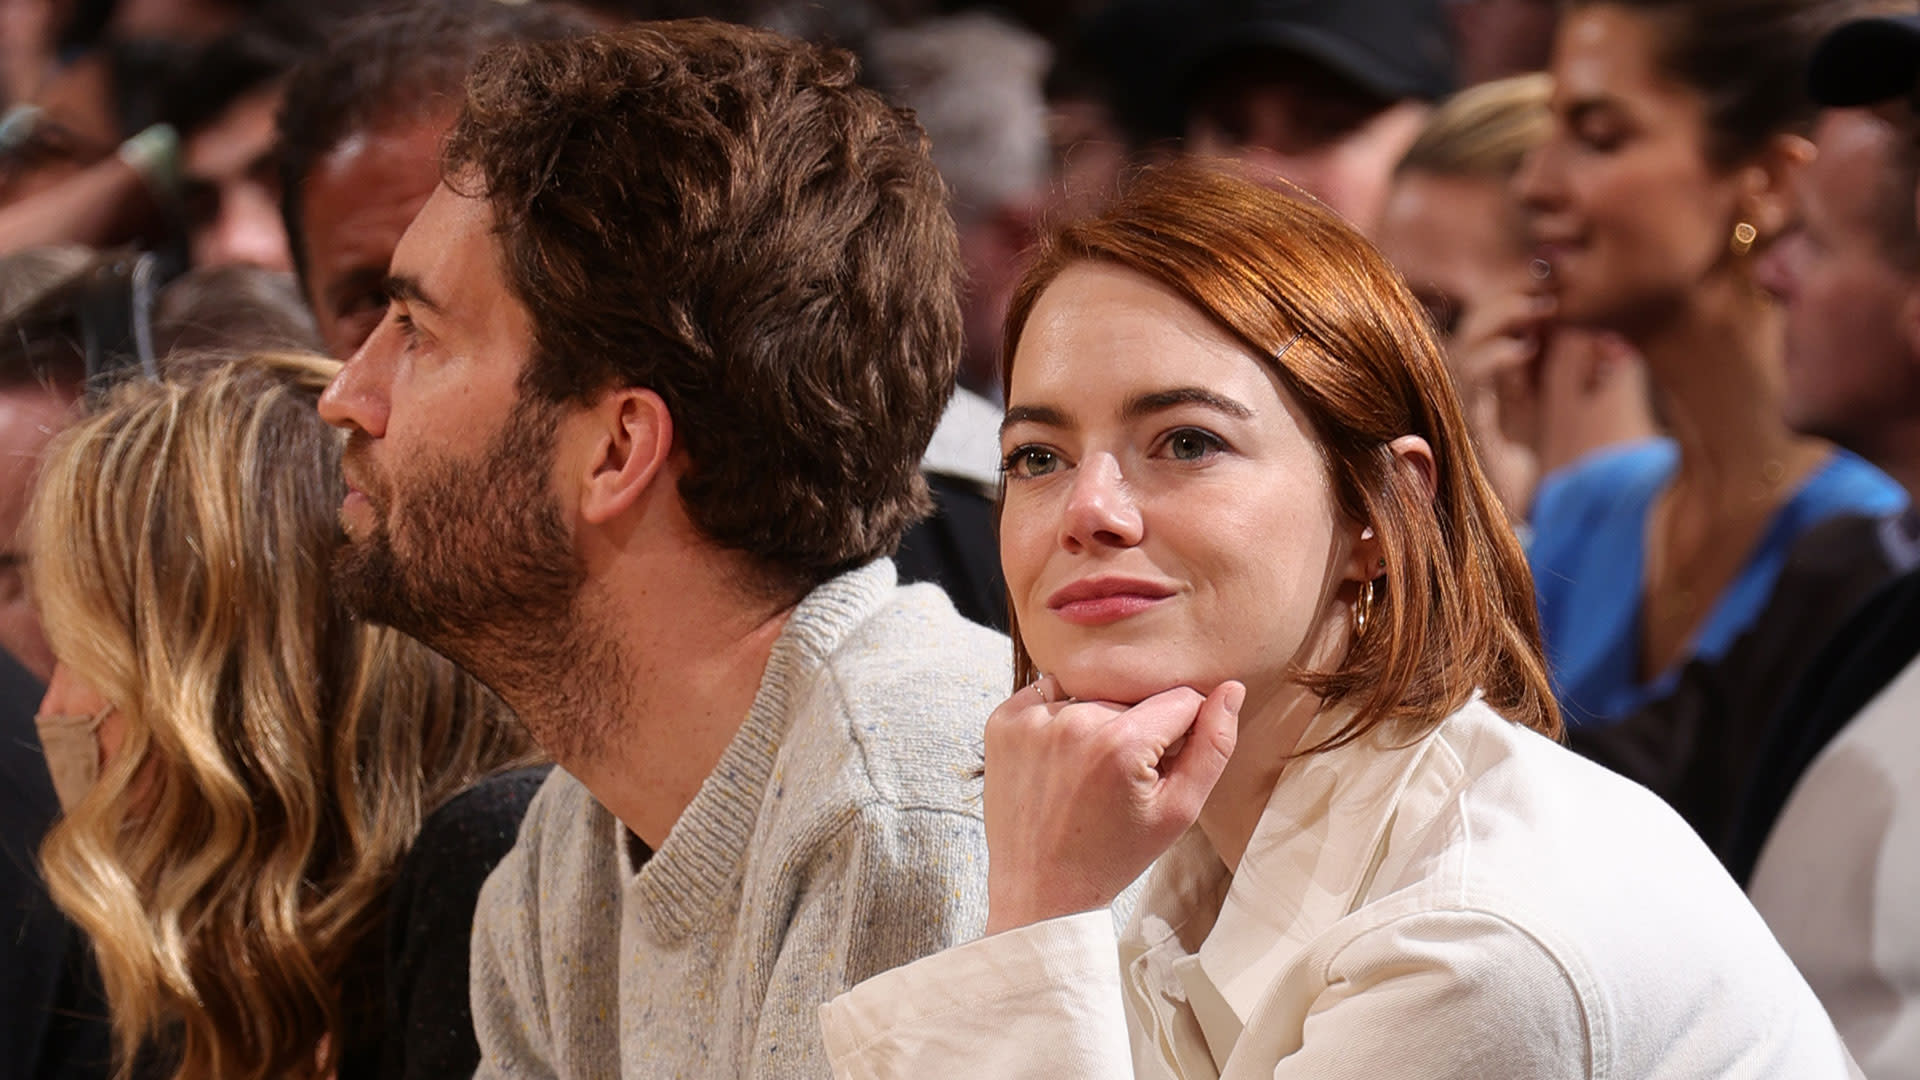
[
  {"x": 1600, "y": 138},
  {"x": 1192, "y": 444},
  {"x": 1026, "y": 462}
]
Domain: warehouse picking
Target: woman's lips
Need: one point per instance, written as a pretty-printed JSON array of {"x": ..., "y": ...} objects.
[{"x": 1097, "y": 601}]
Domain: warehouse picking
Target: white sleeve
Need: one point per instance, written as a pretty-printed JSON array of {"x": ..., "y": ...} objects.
[
  {"x": 1043, "y": 1001},
  {"x": 1454, "y": 995}
]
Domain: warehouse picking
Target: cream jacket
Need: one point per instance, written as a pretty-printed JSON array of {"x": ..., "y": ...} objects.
[{"x": 1481, "y": 903}]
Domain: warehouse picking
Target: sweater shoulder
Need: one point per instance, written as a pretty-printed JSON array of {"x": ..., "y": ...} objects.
[{"x": 897, "y": 713}]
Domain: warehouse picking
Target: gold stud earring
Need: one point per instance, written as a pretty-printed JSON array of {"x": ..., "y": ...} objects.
[{"x": 1744, "y": 234}]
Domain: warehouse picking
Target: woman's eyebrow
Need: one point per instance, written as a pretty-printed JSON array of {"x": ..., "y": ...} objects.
[
  {"x": 1045, "y": 415},
  {"x": 1159, "y": 400}
]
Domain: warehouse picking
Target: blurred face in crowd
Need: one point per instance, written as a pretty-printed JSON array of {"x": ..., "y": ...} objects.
[
  {"x": 1462, "y": 247},
  {"x": 1493, "y": 39},
  {"x": 231, "y": 187},
  {"x": 174, "y": 19},
  {"x": 1089, "y": 153},
  {"x": 1459, "y": 243},
  {"x": 1628, "y": 210},
  {"x": 354, "y": 206},
  {"x": 70, "y": 696},
  {"x": 29, "y": 417},
  {"x": 1851, "y": 367},
  {"x": 1310, "y": 128},
  {"x": 452, "y": 526},
  {"x": 1168, "y": 518}
]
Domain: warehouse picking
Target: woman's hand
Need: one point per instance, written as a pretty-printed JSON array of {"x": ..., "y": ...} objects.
[{"x": 1081, "y": 796}]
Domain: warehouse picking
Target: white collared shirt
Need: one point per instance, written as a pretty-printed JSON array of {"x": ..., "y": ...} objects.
[{"x": 1479, "y": 902}]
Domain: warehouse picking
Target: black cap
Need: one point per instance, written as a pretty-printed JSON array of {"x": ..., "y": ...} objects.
[
  {"x": 1393, "y": 48},
  {"x": 1866, "y": 61}
]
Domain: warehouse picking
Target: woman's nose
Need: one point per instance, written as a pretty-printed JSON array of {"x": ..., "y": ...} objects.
[
  {"x": 1536, "y": 185},
  {"x": 1100, "y": 511}
]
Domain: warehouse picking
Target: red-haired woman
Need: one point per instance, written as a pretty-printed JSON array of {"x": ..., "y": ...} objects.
[{"x": 1275, "y": 598}]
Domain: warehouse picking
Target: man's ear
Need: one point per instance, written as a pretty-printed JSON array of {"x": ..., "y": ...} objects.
[{"x": 632, "y": 439}]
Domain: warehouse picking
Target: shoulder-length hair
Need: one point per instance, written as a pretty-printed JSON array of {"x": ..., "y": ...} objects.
[
  {"x": 279, "y": 755},
  {"x": 1302, "y": 290}
]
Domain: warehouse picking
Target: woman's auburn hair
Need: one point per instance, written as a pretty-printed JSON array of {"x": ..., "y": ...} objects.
[
  {"x": 1322, "y": 308},
  {"x": 280, "y": 754}
]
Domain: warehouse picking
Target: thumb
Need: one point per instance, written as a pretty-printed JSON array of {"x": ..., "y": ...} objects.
[{"x": 1188, "y": 778}]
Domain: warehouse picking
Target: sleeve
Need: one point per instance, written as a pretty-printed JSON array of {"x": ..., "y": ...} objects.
[
  {"x": 889, "y": 887},
  {"x": 506, "y": 992},
  {"x": 1453, "y": 995},
  {"x": 429, "y": 1020},
  {"x": 1043, "y": 1001}
]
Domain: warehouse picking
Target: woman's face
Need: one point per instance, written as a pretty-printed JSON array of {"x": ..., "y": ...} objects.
[
  {"x": 1455, "y": 240},
  {"x": 1627, "y": 209},
  {"x": 80, "y": 731},
  {"x": 1168, "y": 519}
]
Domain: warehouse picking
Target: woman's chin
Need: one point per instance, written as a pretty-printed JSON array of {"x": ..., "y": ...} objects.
[{"x": 1124, "y": 685}]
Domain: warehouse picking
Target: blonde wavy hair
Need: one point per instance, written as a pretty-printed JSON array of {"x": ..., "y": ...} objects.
[
  {"x": 1484, "y": 131},
  {"x": 279, "y": 755}
]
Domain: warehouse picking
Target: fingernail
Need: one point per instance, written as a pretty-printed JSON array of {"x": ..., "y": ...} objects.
[{"x": 1236, "y": 697}]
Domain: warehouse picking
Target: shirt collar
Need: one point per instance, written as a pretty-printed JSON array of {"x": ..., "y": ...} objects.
[{"x": 1310, "y": 862}]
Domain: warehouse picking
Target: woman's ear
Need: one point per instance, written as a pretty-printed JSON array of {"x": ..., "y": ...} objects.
[
  {"x": 1411, "y": 454},
  {"x": 1767, "y": 184}
]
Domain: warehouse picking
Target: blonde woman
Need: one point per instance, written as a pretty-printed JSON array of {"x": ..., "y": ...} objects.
[
  {"x": 1537, "y": 397},
  {"x": 243, "y": 765}
]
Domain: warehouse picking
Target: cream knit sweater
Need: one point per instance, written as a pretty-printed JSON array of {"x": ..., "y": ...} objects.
[{"x": 839, "y": 836}]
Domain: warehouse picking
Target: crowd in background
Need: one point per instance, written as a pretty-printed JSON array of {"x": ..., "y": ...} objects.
[{"x": 1669, "y": 248}]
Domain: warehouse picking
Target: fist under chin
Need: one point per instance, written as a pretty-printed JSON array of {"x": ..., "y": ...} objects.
[{"x": 1124, "y": 684}]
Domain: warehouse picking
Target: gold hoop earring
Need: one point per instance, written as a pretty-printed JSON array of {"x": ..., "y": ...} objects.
[
  {"x": 1362, "y": 609},
  {"x": 1744, "y": 234}
]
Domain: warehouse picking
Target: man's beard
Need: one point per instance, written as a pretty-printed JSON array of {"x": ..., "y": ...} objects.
[{"x": 475, "y": 560}]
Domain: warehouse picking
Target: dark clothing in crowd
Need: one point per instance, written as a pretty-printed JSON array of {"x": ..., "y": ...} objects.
[
  {"x": 956, "y": 549},
  {"x": 411, "y": 1017},
  {"x": 404, "y": 992},
  {"x": 1698, "y": 746},
  {"x": 1870, "y": 649},
  {"x": 53, "y": 1015}
]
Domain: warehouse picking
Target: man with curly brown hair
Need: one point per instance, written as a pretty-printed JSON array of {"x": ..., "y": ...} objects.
[{"x": 632, "y": 443}]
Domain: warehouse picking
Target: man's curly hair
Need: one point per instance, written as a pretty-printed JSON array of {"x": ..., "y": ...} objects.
[{"x": 722, "y": 215}]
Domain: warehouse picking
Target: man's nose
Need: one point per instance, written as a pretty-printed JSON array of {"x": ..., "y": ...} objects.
[{"x": 358, "y": 397}]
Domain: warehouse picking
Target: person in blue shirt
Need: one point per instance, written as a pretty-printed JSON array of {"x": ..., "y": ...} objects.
[{"x": 1677, "y": 138}]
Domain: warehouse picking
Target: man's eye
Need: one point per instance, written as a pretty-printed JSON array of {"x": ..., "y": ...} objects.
[
  {"x": 366, "y": 301},
  {"x": 13, "y": 580}
]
